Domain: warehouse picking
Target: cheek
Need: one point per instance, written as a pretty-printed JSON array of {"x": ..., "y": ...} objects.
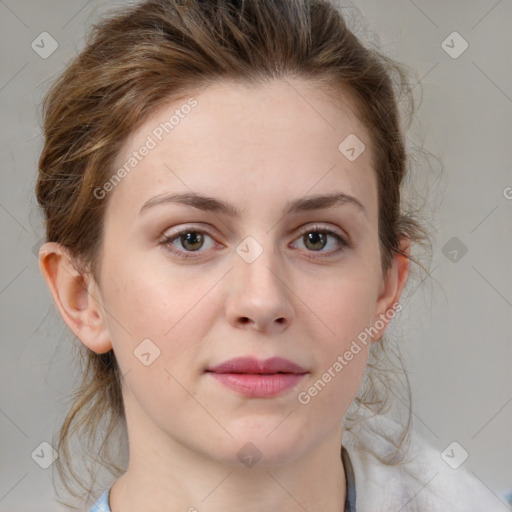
[
  {"x": 345, "y": 306},
  {"x": 157, "y": 337},
  {"x": 169, "y": 311}
]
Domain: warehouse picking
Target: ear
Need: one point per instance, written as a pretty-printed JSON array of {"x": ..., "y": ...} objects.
[
  {"x": 392, "y": 285},
  {"x": 76, "y": 296}
]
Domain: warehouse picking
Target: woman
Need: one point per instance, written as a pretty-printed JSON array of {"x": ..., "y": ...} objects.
[{"x": 221, "y": 182}]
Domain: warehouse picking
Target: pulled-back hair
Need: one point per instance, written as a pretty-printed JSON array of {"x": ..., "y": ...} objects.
[{"x": 159, "y": 51}]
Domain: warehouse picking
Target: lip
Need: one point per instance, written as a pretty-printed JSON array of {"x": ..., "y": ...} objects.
[
  {"x": 258, "y": 379},
  {"x": 255, "y": 366}
]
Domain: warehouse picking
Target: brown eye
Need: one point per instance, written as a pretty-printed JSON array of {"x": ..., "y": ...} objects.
[
  {"x": 186, "y": 242},
  {"x": 192, "y": 240},
  {"x": 317, "y": 238}
]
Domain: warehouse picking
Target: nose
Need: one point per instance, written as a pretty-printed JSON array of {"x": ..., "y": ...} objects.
[{"x": 259, "y": 296}]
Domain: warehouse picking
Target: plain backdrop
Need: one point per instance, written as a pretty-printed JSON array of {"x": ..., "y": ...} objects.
[{"x": 456, "y": 328}]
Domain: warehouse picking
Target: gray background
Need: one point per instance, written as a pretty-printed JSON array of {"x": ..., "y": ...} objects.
[{"x": 456, "y": 328}]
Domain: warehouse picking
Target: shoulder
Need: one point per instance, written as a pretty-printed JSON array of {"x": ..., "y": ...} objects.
[
  {"x": 102, "y": 504},
  {"x": 422, "y": 482}
]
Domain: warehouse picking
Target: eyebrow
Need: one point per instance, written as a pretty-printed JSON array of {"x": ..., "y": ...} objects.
[{"x": 211, "y": 204}]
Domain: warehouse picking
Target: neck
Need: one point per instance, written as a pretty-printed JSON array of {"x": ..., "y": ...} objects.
[{"x": 165, "y": 475}]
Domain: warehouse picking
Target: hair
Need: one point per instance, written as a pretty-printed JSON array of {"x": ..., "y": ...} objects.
[{"x": 144, "y": 56}]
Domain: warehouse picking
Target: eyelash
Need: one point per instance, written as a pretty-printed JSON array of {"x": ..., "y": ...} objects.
[{"x": 167, "y": 241}]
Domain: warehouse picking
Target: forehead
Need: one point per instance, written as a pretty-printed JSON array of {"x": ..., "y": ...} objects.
[{"x": 244, "y": 141}]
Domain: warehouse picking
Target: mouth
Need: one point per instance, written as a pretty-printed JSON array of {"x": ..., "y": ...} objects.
[{"x": 258, "y": 379}]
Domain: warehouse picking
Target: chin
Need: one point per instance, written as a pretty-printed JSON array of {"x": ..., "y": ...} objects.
[{"x": 257, "y": 448}]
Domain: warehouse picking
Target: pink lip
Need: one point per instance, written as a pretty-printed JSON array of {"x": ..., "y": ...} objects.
[
  {"x": 254, "y": 378},
  {"x": 253, "y": 365}
]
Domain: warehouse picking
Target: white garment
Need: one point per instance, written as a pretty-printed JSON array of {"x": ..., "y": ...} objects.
[{"x": 423, "y": 482}]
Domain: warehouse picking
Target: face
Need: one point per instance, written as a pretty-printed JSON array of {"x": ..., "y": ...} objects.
[{"x": 185, "y": 288}]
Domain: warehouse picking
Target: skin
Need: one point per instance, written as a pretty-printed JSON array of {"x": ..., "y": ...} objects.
[{"x": 256, "y": 147}]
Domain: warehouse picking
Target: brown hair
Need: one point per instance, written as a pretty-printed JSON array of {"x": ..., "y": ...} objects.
[{"x": 141, "y": 57}]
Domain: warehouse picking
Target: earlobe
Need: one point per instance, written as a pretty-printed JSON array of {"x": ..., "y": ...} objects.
[
  {"x": 76, "y": 296},
  {"x": 391, "y": 289}
]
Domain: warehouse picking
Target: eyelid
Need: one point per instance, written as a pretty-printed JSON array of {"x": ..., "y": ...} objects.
[
  {"x": 187, "y": 227},
  {"x": 328, "y": 229},
  {"x": 304, "y": 229}
]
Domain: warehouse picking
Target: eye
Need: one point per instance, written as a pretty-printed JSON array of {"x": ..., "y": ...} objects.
[
  {"x": 191, "y": 241},
  {"x": 316, "y": 238}
]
